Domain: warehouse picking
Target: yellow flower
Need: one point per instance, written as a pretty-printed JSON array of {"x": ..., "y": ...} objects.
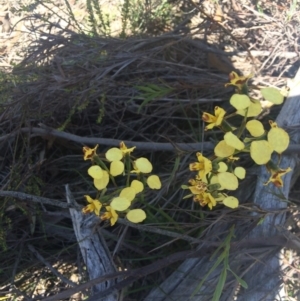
[
  {"x": 231, "y": 202},
  {"x": 96, "y": 172},
  {"x": 222, "y": 167},
  {"x": 100, "y": 176},
  {"x": 137, "y": 185},
  {"x": 89, "y": 153},
  {"x": 103, "y": 182},
  {"x": 126, "y": 150},
  {"x": 110, "y": 214},
  {"x": 93, "y": 206},
  {"x": 240, "y": 101},
  {"x": 136, "y": 215},
  {"x": 128, "y": 193},
  {"x": 120, "y": 203},
  {"x": 115, "y": 155},
  {"x": 255, "y": 128},
  {"x": 116, "y": 168},
  {"x": 276, "y": 176},
  {"x": 261, "y": 151},
  {"x": 278, "y": 141},
  {"x": 240, "y": 172},
  {"x": 214, "y": 120},
  {"x": 253, "y": 110},
  {"x": 154, "y": 182},
  {"x": 204, "y": 166},
  {"x": 228, "y": 180},
  {"x": 197, "y": 186},
  {"x": 142, "y": 165},
  {"x": 237, "y": 81},
  {"x": 205, "y": 198},
  {"x": 224, "y": 150},
  {"x": 278, "y": 138},
  {"x": 233, "y": 141}
]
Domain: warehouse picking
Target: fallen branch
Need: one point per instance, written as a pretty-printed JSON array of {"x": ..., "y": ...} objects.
[
  {"x": 36, "y": 199},
  {"x": 93, "y": 249},
  {"x": 150, "y": 146}
]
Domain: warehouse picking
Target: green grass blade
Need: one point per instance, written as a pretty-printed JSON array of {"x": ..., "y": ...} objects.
[
  {"x": 216, "y": 264},
  {"x": 220, "y": 285},
  {"x": 239, "y": 279}
]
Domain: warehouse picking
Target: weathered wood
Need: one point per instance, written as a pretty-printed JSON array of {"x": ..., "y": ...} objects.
[
  {"x": 262, "y": 275},
  {"x": 93, "y": 249},
  {"x": 263, "y": 279}
]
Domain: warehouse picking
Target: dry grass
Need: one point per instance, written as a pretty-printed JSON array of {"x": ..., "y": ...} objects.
[{"x": 142, "y": 89}]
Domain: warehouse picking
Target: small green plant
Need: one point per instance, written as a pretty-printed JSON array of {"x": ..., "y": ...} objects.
[
  {"x": 223, "y": 258},
  {"x": 259, "y": 8},
  {"x": 151, "y": 92},
  {"x": 292, "y": 10},
  {"x": 140, "y": 17},
  {"x": 98, "y": 22}
]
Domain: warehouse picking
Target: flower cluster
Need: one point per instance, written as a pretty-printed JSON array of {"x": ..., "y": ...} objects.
[
  {"x": 121, "y": 200},
  {"x": 221, "y": 171}
]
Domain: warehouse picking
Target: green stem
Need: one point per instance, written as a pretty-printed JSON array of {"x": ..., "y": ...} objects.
[{"x": 243, "y": 125}]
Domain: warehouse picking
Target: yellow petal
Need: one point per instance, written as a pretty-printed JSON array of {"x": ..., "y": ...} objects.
[
  {"x": 89, "y": 199},
  {"x": 114, "y": 217},
  {"x": 143, "y": 165},
  {"x": 231, "y": 202},
  {"x": 276, "y": 176},
  {"x": 233, "y": 141},
  {"x": 114, "y": 154},
  {"x": 203, "y": 166},
  {"x": 116, "y": 168},
  {"x": 94, "y": 206},
  {"x": 213, "y": 180},
  {"x": 88, "y": 209},
  {"x": 255, "y": 128},
  {"x": 126, "y": 150},
  {"x": 220, "y": 197},
  {"x": 240, "y": 101},
  {"x": 128, "y": 193},
  {"x": 279, "y": 139},
  {"x": 223, "y": 150},
  {"x": 228, "y": 180},
  {"x": 273, "y": 95},
  {"x": 260, "y": 151},
  {"x": 96, "y": 172},
  {"x": 98, "y": 206},
  {"x": 136, "y": 215},
  {"x": 240, "y": 172},
  {"x": 206, "y": 117},
  {"x": 222, "y": 167},
  {"x": 120, "y": 203},
  {"x": 103, "y": 182},
  {"x": 137, "y": 185},
  {"x": 154, "y": 182},
  {"x": 110, "y": 214},
  {"x": 220, "y": 113},
  {"x": 253, "y": 110},
  {"x": 89, "y": 153}
]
